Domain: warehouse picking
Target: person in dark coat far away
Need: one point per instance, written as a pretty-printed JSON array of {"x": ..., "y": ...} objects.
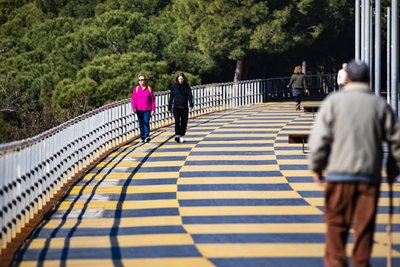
[
  {"x": 298, "y": 84},
  {"x": 179, "y": 101}
]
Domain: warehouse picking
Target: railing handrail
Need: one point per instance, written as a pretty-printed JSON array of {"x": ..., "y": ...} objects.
[
  {"x": 26, "y": 142},
  {"x": 15, "y": 145}
]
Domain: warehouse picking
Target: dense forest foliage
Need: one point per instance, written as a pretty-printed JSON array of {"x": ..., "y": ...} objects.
[{"x": 62, "y": 58}]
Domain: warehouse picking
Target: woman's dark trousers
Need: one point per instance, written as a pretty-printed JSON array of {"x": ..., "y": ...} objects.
[
  {"x": 181, "y": 116},
  {"x": 297, "y": 99}
]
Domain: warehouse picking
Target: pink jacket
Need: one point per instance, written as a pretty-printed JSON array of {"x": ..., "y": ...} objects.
[{"x": 143, "y": 99}]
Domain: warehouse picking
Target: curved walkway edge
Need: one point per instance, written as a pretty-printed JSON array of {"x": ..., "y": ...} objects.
[{"x": 236, "y": 193}]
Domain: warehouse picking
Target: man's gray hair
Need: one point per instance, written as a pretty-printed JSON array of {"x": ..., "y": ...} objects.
[{"x": 358, "y": 71}]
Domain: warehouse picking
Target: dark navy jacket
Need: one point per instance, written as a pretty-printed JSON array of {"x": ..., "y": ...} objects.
[{"x": 180, "y": 96}]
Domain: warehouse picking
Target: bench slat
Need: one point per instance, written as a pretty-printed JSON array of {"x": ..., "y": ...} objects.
[{"x": 298, "y": 138}]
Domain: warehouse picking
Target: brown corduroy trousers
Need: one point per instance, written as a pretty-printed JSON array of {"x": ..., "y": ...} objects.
[{"x": 350, "y": 204}]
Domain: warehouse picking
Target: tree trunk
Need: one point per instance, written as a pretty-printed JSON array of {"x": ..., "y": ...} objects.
[{"x": 238, "y": 70}]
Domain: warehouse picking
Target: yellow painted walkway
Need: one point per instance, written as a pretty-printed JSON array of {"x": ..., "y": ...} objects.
[{"x": 234, "y": 194}]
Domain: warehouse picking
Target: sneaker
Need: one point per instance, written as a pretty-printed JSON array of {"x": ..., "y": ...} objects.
[
  {"x": 177, "y": 138},
  {"x": 147, "y": 139},
  {"x": 142, "y": 141},
  {"x": 181, "y": 140}
]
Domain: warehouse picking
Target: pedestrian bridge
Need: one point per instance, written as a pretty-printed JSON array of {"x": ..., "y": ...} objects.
[{"x": 236, "y": 193}]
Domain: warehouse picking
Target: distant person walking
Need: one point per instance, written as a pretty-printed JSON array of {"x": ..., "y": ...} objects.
[
  {"x": 179, "y": 101},
  {"x": 298, "y": 84},
  {"x": 342, "y": 76},
  {"x": 143, "y": 103},
  {"x": 346, "y": 140}
]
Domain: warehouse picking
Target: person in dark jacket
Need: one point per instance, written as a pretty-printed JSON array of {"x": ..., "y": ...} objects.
[
  {"x": 298, "y": 83},
  {"x": 179, "y": 100}
]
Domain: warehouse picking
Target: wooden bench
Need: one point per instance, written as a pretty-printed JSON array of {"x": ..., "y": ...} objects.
[
  {"x": 311, "y": 108},
  {"x": 298, "y": 138}
]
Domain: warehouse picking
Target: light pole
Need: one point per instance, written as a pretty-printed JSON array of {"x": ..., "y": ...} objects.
[
  {"x": 377, "y": 61},
  {"x": 394, "y": 56},
  {"x": 357, "y": 30}
]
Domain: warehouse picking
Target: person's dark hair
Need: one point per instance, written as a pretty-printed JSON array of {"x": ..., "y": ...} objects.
[
  {"x": 358, "y": 71},
  {"x": 185, "y": 80}
]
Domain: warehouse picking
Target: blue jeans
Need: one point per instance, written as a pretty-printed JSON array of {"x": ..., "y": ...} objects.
[
  {"x": 144, "y": 123},
  {"x": 297, "y": 94}
]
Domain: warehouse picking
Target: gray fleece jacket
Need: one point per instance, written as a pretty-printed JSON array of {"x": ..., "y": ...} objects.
[{"x": 348, "y": 133}]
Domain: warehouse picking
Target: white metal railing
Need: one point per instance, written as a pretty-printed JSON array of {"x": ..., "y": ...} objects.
[{"x": 34, "y": 169}]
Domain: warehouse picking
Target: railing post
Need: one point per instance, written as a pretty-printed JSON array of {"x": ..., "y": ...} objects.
[
  {"x": 3, "y": 218},
  {"x": 7, "y": 198},
  {"x": 18, "y": 190}
]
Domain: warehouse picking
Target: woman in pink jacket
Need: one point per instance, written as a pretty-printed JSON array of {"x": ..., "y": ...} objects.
[{"x": 143, "y": 103}]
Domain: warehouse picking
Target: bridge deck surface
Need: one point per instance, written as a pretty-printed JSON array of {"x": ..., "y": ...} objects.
[{"x": 234, "y": 194}]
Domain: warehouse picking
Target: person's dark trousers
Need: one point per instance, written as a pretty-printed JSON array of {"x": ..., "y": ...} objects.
[
  {"x": 144, "y": 123},
  {"x": 297, "y": 94},
  {"x": 297, "y": 99},
  {"x": 181, "y": 116},
  {"x": 350, "y": 204}
]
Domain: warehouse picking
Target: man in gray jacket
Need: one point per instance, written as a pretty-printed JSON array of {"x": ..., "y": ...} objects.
[{"x": 346, "y": 140}]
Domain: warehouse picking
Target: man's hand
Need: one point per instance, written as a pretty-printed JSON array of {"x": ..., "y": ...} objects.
[{"x": 318, "y": 178}]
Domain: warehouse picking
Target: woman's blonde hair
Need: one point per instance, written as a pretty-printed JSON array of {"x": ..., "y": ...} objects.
[
  {"x": 142, "y": 75},
  {"x": 297, "y": 70}
]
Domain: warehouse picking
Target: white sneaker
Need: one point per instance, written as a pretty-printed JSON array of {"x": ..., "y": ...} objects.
[
  {"x": 181, "y": 140},
  {"x": 177, "y": 138}
]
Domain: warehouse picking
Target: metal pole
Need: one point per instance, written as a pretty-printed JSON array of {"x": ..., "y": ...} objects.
[
  {"x": 377, "y": 61},
  {"x": 388, "y": 62},
  {"x": 357, "y": 30},
  {"x": 389, "y": 227},
  {"x": 367, "y": 33},
  {"x": 362, "y": 40},
  {"x": 394, "y": 56},
  {"x": 371, "y": 45}
]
